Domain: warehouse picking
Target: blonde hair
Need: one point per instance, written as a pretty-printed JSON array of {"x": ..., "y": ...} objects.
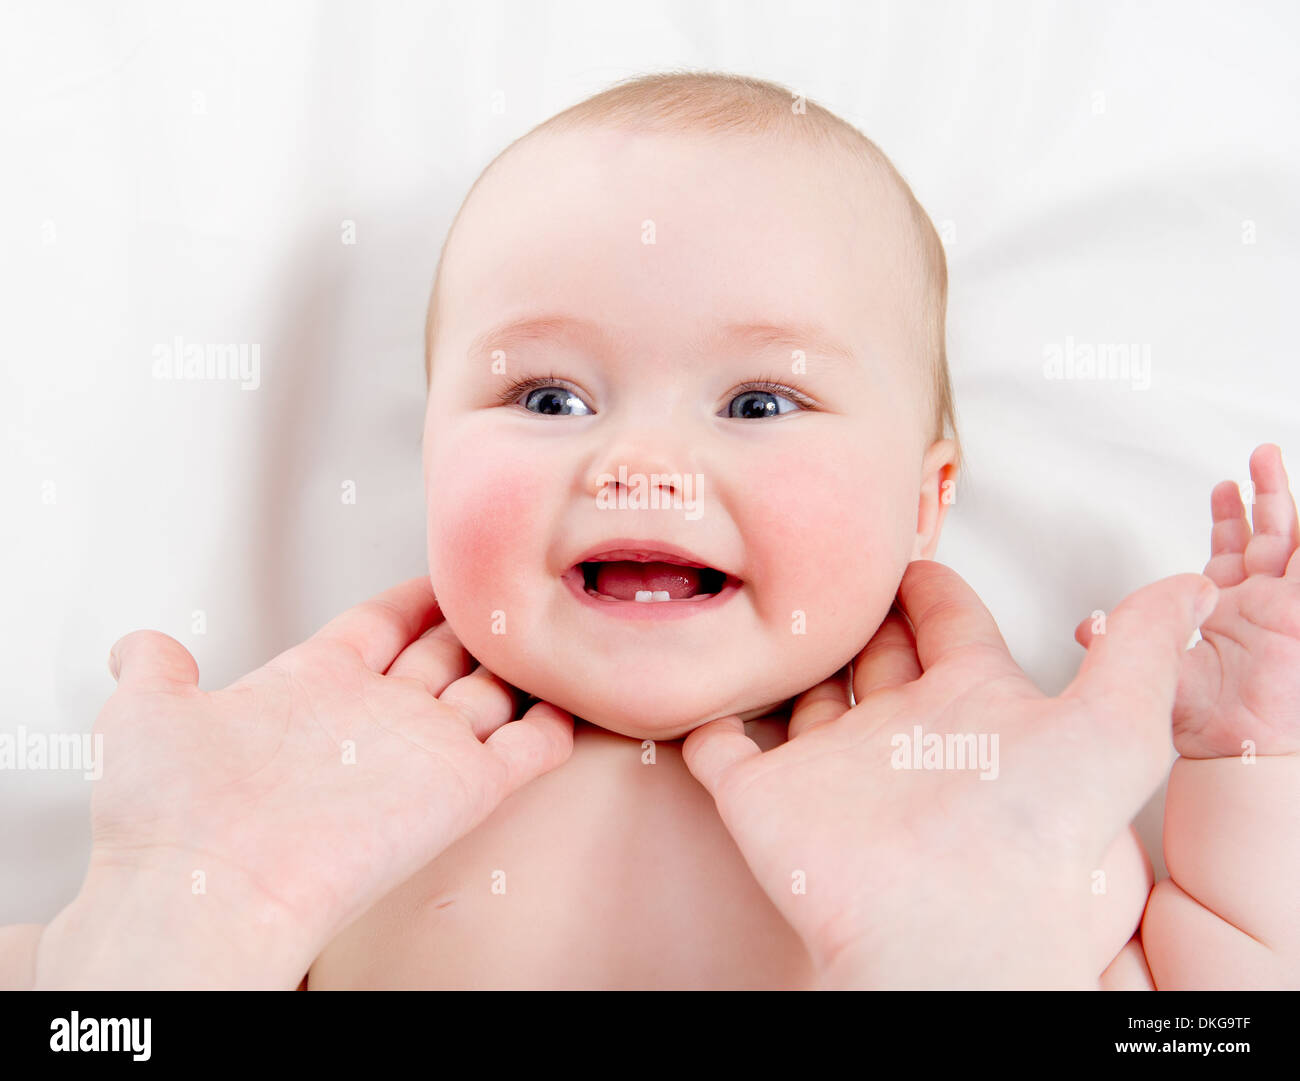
[{"x": 713, "y": 102}]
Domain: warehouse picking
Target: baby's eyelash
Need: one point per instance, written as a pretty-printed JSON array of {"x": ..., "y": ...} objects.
[
  {"x": 510, "y": 394},
  {"x": 769, "y": 384}
]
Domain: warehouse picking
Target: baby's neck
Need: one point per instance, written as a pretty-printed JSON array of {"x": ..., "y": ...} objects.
[{"x": 772, "y": 710}]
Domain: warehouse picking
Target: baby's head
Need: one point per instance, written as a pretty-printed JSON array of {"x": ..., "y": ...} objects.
[{"x": 691, "y": 320}]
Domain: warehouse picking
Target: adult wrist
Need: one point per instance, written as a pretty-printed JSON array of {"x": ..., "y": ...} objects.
[{"x": 135, "y": 928}]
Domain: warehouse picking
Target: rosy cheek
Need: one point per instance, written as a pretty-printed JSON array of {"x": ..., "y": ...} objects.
[
  {"x": 484, "y": 531},
  {"x": 824, "y": 531}
]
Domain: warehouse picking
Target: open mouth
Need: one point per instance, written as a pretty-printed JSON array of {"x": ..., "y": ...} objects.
[
  {"x": 648, "y": 577},
  {"x": 650, "y": 582}
]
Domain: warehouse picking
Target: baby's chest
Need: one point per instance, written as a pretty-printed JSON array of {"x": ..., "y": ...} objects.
[{"x": 612, "y": 871}]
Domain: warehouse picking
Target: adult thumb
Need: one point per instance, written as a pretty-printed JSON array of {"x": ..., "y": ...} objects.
[
  {"x": 152, "y": 661},
  {"x": 1131, "y": 671}
]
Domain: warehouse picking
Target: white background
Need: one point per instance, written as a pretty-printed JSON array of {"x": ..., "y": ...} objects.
[{"x": 179, "y": 169}]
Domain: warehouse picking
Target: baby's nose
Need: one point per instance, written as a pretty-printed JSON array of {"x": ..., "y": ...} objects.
[
  {"x": 665, "y": 482},
  {"x": 650, "y": 460}
]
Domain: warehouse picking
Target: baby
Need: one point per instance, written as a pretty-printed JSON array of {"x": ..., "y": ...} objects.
[
  {"x": 689, "y": 437},
  {"x": 689, "y": 420}
]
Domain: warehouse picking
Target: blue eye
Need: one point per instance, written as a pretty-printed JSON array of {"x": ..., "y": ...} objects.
[
  {"x": 757, "y": 403},
  {"x": 555, "y": 402},
  {"x": 546, "y": 397}
]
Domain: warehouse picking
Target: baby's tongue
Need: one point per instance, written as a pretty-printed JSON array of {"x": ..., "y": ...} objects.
[{"x": 622, "y": 580}]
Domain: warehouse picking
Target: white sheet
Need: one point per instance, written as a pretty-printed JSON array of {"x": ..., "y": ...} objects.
[{"x": 188, "y": 170}]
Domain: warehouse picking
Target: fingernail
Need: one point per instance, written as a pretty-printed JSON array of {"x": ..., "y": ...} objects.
[{"x": 1206, "y": 601}]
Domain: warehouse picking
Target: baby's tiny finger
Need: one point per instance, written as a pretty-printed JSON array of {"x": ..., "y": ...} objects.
[
  {"x": 1083, "y": 632},
  {"x": 1277, "y": 531},
  {"x": 1228, "y": 537}
]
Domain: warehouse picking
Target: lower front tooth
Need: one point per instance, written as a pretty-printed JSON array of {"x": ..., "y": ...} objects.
[
  {"x": 659, "y": 595},
  {"x": 645, "y": 596}
]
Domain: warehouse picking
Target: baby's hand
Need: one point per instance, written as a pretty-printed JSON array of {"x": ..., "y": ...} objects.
[
  {"x": 1242, "y": 680},
  {"x": 301, "y": 794},
  {"x": 898, "y": 876}
]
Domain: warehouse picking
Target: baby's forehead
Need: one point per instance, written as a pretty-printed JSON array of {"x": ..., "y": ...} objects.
[
  {"x": 678, "y": 164},
  {"x": 639, "y": 221},
  {"x": 747, "y": 203}
]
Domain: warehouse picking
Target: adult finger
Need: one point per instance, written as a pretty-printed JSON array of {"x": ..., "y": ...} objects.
[
  {"x": 484, "y": 699},
  {"x": 1276, "y": 534},
  {"x": 436, "y": 659},
  {"x": 535, "y": 744},
  {"x": 152, "y": 661},
  {"x": 1130, "y": 674},
  {"x": 380, "y": 628},
  {"x": 817, "y": 705},
  {"x": 714, "y": 748},
  {"x": 889, "y": 659},
  {"x": 949, "y": 621}
]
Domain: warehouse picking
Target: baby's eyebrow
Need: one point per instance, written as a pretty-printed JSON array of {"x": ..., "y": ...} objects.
[
  {"x": 809, "y": 337},
  {"x": 535, "y": 328}
]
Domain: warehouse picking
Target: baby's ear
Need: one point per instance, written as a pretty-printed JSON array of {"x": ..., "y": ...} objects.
[{"x": 938, "y": 490}]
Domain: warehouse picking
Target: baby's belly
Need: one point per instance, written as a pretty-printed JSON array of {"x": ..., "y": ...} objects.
[{"x": 607, "y": 872}]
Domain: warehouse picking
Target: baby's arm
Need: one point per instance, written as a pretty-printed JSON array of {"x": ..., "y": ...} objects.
[{"x": 1229, "y": 914}]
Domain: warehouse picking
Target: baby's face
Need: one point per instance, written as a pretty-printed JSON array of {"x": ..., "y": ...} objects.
[{"x": 659, "y": 278}]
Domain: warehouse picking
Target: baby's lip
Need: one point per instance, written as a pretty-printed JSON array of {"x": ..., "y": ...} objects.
[{"x": 646, "y": 551}]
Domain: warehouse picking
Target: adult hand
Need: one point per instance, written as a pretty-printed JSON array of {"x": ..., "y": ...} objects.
[
  {"x": 896, "y": 876},
  {"x": 234, "y": 832}
]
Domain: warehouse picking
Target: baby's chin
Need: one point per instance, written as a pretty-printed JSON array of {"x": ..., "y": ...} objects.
[
  {"x": 638, "y": 709},
  {"x": 655, "y": 719}
]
